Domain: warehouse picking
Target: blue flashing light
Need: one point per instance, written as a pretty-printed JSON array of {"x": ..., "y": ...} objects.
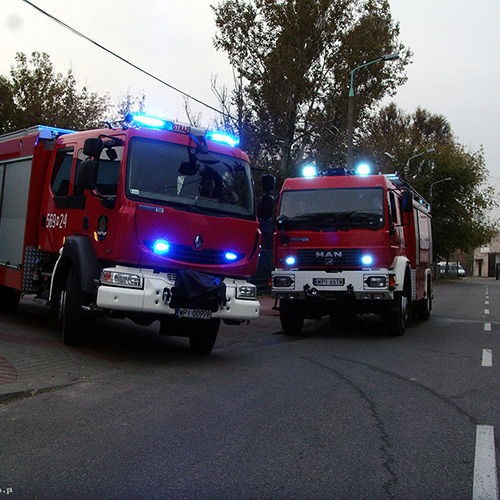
[
  {"x": 367, "y": 260},
  {"x": 230, "y": 256},
  {"x": 290, "y": 261},
  {"x": 309, "y": 171},
  {"x": 161, "y": 247},
  {"x": 363, "y": 169},
  {"x": 152, "y": 121},
  {"x": 222, "y": 138}
]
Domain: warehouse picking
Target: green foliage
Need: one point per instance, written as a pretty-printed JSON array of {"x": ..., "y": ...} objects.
[
  {"x": 460, "y": 207},
  {"x": 37, "y": 94},
  {"x": 295, "y": 59}
]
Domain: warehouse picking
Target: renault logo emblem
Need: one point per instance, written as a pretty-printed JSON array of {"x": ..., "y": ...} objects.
[{"x": 198, "y": 241}]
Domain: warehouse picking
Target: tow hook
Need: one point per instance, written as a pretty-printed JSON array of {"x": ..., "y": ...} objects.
[
  {"x": 310, "y": 292},
  {"x": 350, "y": 289}
]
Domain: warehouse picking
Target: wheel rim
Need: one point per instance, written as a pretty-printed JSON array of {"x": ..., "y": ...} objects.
[{"x": 404, "y": 308}]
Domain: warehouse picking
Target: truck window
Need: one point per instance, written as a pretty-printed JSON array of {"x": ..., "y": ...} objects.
[
  {"x": 61, "y": 174},
  {"x": 167, "y": 173},
  {"x": 332, "y": 209},
  {"x": 108, "y": 172},
  {"x": 393, "y": 208}
]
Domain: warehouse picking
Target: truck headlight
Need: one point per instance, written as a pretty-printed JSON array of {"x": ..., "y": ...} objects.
[
  {"x": 246, "y": 291},
  {"x": 283, "y": 281},
  {"x": 117, "y": 278},
  {"x": 375, "y": 281}
]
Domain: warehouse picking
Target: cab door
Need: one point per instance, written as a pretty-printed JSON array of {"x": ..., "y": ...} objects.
[
  {"x": 61, "y": 210},
  {"x": 396, "y": 233},
  {"x": 100, "y": 218}
]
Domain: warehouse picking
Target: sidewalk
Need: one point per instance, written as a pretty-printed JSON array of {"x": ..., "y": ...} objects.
[{"x": 33, "y": 359}]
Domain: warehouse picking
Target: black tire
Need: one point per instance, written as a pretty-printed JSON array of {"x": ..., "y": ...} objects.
[
  {"x": 291, "y": 316},
  {"x": 72, "y": 314},
  {"x": 172, "y": 326},
  {"x": 55, "y": 318},
  {"x": 424, "y": 306},
  {"x": 202, "y": 334},
  {"x": 9, "y": 299},
  {"x": 399, "y": 312}
]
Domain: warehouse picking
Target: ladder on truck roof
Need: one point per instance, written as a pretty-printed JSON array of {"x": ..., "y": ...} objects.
[{"x": 399, "y": 181}]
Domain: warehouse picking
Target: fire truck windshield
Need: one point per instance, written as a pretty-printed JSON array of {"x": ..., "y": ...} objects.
[
  {"x": 333, "y": 209},
  {"x": 172, "y": 174}
]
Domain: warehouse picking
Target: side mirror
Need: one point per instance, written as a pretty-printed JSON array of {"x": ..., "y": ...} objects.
[
  {"x": 92, "y": 147},
  {"x": 87, "y": 174},
  {"x": 269, "y": 183},
  {"x": 188, "y": 168},
  {"x": 266, "y": 207},
  {"x": 281, "y": 222},
  {"x": 407, "y": 202}
]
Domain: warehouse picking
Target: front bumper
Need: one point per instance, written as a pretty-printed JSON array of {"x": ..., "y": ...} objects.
[
  {"x": 155, "y": 289},
  {"x": 356, "y": 284}
]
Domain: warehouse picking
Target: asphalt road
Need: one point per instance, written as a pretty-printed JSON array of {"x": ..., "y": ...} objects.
[{"x": 342, "y": 412}]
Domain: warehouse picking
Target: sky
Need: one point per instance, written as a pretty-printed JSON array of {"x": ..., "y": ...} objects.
[{"x": 455, "y": 70}]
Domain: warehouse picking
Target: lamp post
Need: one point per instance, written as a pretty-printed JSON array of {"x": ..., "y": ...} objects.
[
  {"x": 350, "y": 109},
  {"x": 433, "y": 184},
  {"x": 407, "y": 166}
]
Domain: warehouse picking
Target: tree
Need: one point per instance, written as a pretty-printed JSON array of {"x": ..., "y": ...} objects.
[
  {"x": 460, "y": 206},
  {"x": 38, "y": 95},
  {"x": 295, "y": 57},
  {"x": 7, "y": 106}
]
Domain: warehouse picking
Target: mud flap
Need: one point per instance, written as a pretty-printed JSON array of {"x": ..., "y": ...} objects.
[{"x": 195, "y": 290}]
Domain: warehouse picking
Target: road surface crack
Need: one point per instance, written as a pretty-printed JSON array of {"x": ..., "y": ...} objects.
[{"x": 386, "y": 445}]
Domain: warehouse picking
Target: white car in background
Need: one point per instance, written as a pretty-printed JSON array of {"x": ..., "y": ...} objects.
[{"x": 454, "y": 269}]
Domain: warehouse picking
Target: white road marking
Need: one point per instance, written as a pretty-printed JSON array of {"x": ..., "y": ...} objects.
[
  {"x": 487, "y": 358},
  {"x": 487, "y": 327},
  {"x": 486, "y": 311},
  {"x": 487, "y": 303},
  {"x": 485, "y": 485}
]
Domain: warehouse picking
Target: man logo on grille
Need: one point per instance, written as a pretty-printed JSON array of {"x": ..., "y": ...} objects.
[{"x": 332, "y": 254}]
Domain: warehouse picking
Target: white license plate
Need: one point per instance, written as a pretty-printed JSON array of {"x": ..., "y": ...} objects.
[
  {"x": 194, "y": 313},
  {"x": 328, "y": 281}
]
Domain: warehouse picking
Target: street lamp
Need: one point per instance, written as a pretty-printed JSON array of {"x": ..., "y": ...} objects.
[
  {"x": 350, "y": 110},
  {"x": 407, "y": 166},
  {"x": 433, "y": 184}
]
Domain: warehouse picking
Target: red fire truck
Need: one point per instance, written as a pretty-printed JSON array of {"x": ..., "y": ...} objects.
[
  {"x": 150, "y": 220},
  {"x": 350, "y": 244}
]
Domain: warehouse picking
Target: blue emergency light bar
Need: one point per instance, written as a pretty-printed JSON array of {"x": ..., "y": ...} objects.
[
  {"x": 222, "y": 138},
  {"x": 310, "y": 171},
  {"x": 163, "y": 124}
]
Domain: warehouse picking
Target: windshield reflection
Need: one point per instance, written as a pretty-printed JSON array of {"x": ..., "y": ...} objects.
[
  {"x": 333, "y": 209},
  {"x": 167, "y": 173}
]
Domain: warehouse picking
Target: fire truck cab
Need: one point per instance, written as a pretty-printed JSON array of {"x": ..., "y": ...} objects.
[
  {"x": 349, "y": 244},
  {"x": 150, "y": 220}
]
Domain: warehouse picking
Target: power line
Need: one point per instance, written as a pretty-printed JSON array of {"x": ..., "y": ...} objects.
[{"x": 64, "y": 25}]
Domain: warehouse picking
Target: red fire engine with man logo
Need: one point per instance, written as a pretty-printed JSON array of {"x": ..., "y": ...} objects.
[
  {"x": 150, "y": 220},
  {"x": 347, "y": 244}
]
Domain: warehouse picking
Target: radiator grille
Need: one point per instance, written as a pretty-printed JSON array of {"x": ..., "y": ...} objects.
[
  {"x": 350, "y": 257},
  {"x": 206, "y": 256}
]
